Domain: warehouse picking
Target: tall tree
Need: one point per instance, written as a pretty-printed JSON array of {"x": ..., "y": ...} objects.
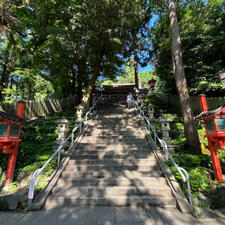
[
  {"x": 202, "y": 31},
  {"x": 189, "y": 124},
  {"x": 119, "y": 24}
]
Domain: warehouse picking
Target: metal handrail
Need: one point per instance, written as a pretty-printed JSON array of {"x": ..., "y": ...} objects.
[
  {"x": 58, "y": 151},
  {"x": 184, "y": 174}
]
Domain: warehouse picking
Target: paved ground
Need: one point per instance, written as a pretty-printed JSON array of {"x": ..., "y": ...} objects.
[{"x": 103, "y": 216}]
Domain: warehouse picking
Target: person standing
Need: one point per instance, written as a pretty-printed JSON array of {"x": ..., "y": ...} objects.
[{"x": 129, "y": 98}]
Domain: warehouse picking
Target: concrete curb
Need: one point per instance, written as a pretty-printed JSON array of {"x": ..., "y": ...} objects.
[
  {"x": 40, "y": 200},
  {"x": 182, "y": 202},
  {"x": 203, "y": 213}
]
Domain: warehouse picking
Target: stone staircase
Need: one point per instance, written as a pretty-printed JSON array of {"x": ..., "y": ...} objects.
[{"x": 113, "y": 166}]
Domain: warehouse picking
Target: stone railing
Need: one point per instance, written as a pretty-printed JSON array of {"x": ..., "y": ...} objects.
[{"x": 37, "y": 108}]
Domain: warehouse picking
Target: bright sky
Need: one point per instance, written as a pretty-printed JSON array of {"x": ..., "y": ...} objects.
[
  {"x": 151, "y": 24},
  {"x": 148, "y": 67}
]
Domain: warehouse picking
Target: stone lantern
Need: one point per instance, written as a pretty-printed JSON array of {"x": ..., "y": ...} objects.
[
  {"x": 165, "y": 128},
  {"x": 222, "y": 75},
  {"x": 79, "y": 113},
  {"x": 151, "y": 111},
  {"x": 62, "y": 129}
]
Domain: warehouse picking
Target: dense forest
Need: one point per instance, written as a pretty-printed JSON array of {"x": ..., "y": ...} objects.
[
  {"x": 58, "y": 48},
  {"x": 53, "y": 48}
]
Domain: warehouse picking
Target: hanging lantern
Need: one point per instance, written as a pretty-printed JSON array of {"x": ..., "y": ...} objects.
[
  {"x": 152, "y": 83},
  {"x": 10, "y": 128}
]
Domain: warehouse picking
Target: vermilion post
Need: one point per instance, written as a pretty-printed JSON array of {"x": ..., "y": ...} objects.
[
  {"x": 13, "y": 155},
  {"x": 11, "y": 165},
  {"x": 203, "y": 103},
  {"x": 20, "y": 109},
  {"x": 216, "y": 162}
]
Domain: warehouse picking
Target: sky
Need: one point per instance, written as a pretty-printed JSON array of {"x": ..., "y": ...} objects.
[
  {"x": 151, "y": 24},
  {"x": 148, "y": 67}
]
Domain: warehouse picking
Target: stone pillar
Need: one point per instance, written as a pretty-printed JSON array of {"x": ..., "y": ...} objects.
[
  {"x": 93, "y": 99},
  {"x": 138, "y": 99},
  {"x": 165, "y": 128},
  {"x": 62, "y": 129}
]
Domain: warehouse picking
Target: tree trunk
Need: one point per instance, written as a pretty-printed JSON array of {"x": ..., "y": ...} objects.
[
  {"x": 74, "y": 81},
  {"x": 80, "y": 75},
  {"x": 136, "y": 69},
  {"x": 87, "y": 96},
  {"x": 181, "y": 83}
]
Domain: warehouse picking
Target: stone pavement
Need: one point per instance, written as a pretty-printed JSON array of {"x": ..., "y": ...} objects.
[{"x": 103, "y": 216}]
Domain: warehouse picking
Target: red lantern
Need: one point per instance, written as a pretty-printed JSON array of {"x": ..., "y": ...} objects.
[
  {"x": 152, "y": 83},
  {"x": 10, "y": 129},
  {"x": 214, "y": 122}
]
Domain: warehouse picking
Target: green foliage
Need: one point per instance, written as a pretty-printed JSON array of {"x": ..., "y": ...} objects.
[
  {"x": 202, "y": 30},
  {"x": 199, "y": 180},
  {"x": 64, "y": 42},
  {"x": 207, "y": 85},
  {"x": 189, "y": 161},
  {"x": 128, "y": 78},
  {"x": 28, "y": 86}
]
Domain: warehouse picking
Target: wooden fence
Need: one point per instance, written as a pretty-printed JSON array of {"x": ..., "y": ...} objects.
[
  {"x": 34, "y": 109},
  {"x": 173, "y": 100}
]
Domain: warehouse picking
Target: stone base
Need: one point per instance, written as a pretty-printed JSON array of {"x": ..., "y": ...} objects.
[{"x": 170, "y": 146}]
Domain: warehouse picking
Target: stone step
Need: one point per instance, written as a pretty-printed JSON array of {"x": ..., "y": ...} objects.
[
  {"x": 118, "y": 126},
  {"x": 111, "y": 138},
  {"x": 117, "y": 132},
  {"x": 113, "y": 167},
  {"x": 115, "y": 128},
  {"x": 114, "y": 148},
  {"x": 70, "y": 174},
  {"x": 106, "y": 145},
  {"x": 114, "y": 142},
  {"x": 136, "y": 162},
  {"x": 115, "y": 152},
  {"x": 109, "y": 156},
  {"x": 115, "y": 125},
  {"x": 68, "y": 181},
  {"x": 96, "y": 191},
  {"x": 110, "y": 200}
]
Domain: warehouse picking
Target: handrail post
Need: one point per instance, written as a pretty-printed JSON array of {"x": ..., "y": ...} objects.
[{"x": 58, "y": 161}]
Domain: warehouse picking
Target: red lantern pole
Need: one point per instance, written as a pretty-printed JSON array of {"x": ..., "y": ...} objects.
[
  {"x": 20, "y": 109},
  {"x": 212, "y": 144},
  {"x": 215, "y": 161},
  {"x": 11, "y": 166},
  {"x": 13, "y": 155},
  {"x": 203, "y": 103}
]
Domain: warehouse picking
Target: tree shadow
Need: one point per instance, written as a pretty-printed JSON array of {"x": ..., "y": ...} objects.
[{"x": 113, "y": 168}]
